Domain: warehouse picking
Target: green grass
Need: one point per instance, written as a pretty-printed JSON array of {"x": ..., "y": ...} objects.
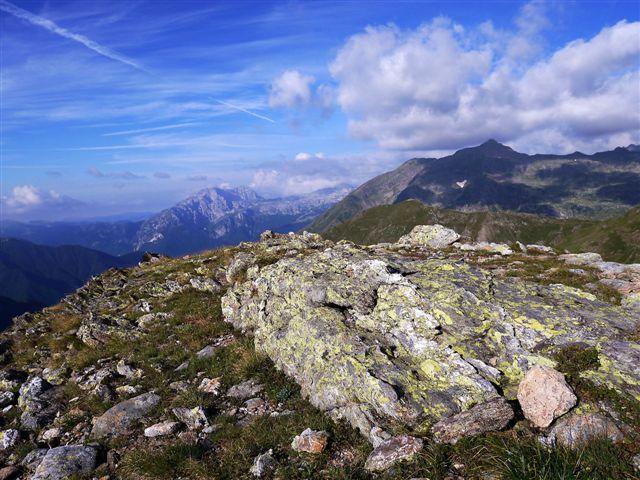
[{"x": 616, "y": 239}]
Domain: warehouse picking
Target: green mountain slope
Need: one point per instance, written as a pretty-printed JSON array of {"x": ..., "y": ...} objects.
[
  {"x": 616, "y": 239},
  {"x": 32, "y": 276},
  {"x": 492, "y": 177}
]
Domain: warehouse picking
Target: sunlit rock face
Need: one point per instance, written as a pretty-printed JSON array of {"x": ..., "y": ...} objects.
[{"x": 391, "y": 341}]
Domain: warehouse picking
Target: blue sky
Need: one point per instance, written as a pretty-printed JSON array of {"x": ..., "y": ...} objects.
[{"x": 121, "y": 106}]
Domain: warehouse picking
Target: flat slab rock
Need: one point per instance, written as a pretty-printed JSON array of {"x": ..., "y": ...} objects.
[
  {"x": 62, "y": 462},
  {"x": 486, "y": 417},
  {"x": 384, "y": 340},
  {"x": 119, "y": 418},
  {"x": 392, "y": 451},
  {"x": 577, "y": 430}
]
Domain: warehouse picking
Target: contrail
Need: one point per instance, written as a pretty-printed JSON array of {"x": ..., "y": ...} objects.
[
  {"x": 63, "y": 32},
  {"x": 240, "y": 109},
  {"x": 152, "y": 129}
]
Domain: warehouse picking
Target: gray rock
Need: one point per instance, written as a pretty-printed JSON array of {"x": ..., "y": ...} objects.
[
  {"x": 128, "y": 371},
  {"x": 578, "y": 430},
  {"x": 210, "y": 385},
  {"x": 8, "y": 438},
  {"x": 544, "y": 395},
  {"x": 7, "y": 398},
  {"x": 485, "y": 417},
  {"x": 193, "y": 418},
  {"x": 240, "y": 263},
  {"x": 354, "y": 327},
  {"x": 245, "y": 390},
  {"x": 162, "y": 429},
  {"x": 119, "y": 419},
  {"x": 9, "y": 473},
  {"x": 392, "y": 451},
  {"x": 32, "y": 459},
  {"x": 36, "y": 400},
  {"x": 263, "y": 464},
  {"x": 62, "y": 462},
  {"x": 206, "y": 352},
  {"x": 586, "y": 259},
  {"x": 432, "y": 236}
]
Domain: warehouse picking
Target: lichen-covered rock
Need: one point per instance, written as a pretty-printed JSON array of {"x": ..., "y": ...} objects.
[
  {"x": 544, "y": 395},
  {"x": 64, "y": 462},
  {"x": 37, "y": 402},
  {"x": 247, "y": 389},
  {"x": 162, "y": 429},
  {"x": 490, "y": 247},
  {"x": 263, "y": 464},
  {"x": 240, "y": 263},
  {"x": 382, "y": 340},
  {"x": 8, "y": 438},
  {"x": 579, "y": 429},
  {"x": 193, "y": 418},
  {"x": 432, "y": 236},
  {"x": 392, "y": 451},
  {"x": 119, "y": 419},
  {"x": 310, "y": 441},
  {"x": 485, "y": 417}
]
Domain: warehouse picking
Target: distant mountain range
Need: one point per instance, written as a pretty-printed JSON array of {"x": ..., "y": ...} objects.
[
  {"x": 616, "y": 239},
  {"x": 493, "y": 177},
  {"x": 211, "y": 218},
  {"x": 33, "y": 276}
]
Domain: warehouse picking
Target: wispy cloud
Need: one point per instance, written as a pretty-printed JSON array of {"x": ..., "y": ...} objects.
[
  {"x": 152, "y": 129},
  {"x": 23, "y": 14},
  {"x": 240, "y": 109}
]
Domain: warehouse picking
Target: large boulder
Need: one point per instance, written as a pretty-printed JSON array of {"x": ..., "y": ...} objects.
[
  {"x": 432, "y": 236},
  {"x": 119, "y": 419},
  {"x": 544, "y": 395},
  {"x": 395, "y": 344},
  {"x": 64, "y": 462}
]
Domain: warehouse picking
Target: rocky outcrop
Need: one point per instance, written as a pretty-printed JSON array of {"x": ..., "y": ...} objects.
[
  {"x": 64, "y": 462},
  {"x": 385, "y": 340}
]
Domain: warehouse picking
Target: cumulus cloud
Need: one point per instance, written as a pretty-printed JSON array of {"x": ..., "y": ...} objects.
[
  {"x": 291, "y": 89},
  {"x": 25, "y": 198},
  {"x": 288, "y": 183},
  {"x": 442, "y": 86}
]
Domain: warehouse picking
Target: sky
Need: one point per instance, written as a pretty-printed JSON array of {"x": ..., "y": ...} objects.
[{"x": 112, "y": 107}]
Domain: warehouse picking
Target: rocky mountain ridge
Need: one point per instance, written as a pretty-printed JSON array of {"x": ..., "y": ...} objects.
[
  {"x": 492, "y": 176},
  {"x": 431, "y": 356}
]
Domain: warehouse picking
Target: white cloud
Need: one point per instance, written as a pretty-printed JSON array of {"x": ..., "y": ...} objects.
[
  {"x": 442, "y": 87},
  {"x": 285, "y": 183},
  {"x": 27, "y": 198},
  {"x": 304, "y": 156},
  {"x": 291, "y": 89}
]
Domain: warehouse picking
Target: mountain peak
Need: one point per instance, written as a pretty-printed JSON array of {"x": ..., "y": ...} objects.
[{"x": 491, "y": 148}]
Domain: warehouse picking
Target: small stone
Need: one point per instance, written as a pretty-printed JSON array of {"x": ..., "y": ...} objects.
[
  {"x": 310, "y": 441},
  {"x": 179, "y": 386},
  {"x": 63, "y": 462},
  {"x": 485, "y": 417},
  {"x": 578, "y": 430},
  {"x": 8, "y": 438},
  {"x": 544, "y": 395},
  {"x": 128, "y": 371},
  {"x": 52, "y": 434},
  {"x": 635, "y": 461},
  {"x": 162, "y": 429},
  {"x": 391, "y": 451},
  {"x": 193, "y": 418},
  {"x": 255, "y": 406},
  {"x": 9, "y": 473},
  {"x": 119, "y": 418},
  {"x": 206, "y": 352},
  {"x": 263, "y": 464},
  {"x": 182, "y": 366},
  {"x": 126, "y": 390},
  {"x": 245, "y": 390},
  {"x": 210, "y": 385},
  {"x": 7, "y": 398}
]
